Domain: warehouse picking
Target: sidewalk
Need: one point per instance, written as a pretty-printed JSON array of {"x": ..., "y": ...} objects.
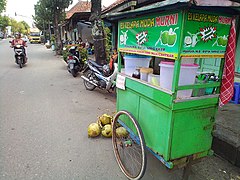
[{"x": 226, "y": 142}]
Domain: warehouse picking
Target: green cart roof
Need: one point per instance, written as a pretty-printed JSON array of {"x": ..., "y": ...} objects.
[{"x": 167, "y": 5}]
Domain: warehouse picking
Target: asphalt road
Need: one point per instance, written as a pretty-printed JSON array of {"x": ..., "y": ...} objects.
[{"x": 44, "y": 115}]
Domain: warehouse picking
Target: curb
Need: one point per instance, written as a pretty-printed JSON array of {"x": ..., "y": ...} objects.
[{"x": 226, "y": 151}]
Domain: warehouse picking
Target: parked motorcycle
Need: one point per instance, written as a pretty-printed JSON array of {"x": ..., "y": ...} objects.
[
  {"x": 75, "y": 64},
  {"x": 95, "y": 75},
  {"x": 20, "y": 55}
]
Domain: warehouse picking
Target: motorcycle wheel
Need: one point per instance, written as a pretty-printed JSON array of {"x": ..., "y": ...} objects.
[
  {"x": 87, "y": 84},
  {"x": 74, "y": 73},
  {"x": 81, "y": 67},
  {"x": 20, "y": 63}
]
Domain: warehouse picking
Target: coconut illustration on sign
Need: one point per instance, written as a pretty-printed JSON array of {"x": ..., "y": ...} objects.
[
  {"x": 123, "y": 37},
  {"x": 168, "y": 38},
  {"x": 191, "y": 40},
  {"x": 221, "y": 41}
]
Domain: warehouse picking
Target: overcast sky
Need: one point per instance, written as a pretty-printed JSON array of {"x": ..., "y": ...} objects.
[{"x": 25, "y": 8}]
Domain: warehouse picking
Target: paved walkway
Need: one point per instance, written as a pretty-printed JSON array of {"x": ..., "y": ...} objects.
[{"x": 226, "y": 141}]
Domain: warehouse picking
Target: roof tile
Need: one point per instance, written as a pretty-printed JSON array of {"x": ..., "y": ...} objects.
[
  {"x": 113, "y": 5},
  {"x": 81, "y": 6}
]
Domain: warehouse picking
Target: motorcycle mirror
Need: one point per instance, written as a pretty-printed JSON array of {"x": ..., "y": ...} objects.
[{"x": 10, "y": 41}]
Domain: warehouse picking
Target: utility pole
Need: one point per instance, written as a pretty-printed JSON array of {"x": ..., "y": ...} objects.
[{"x": 98, "y": 32}]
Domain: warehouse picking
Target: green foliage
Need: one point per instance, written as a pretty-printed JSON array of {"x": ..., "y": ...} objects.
[
  {"x": 21, "y": 27},
  {"x": 3, "y": 4},
  {"x": 82, "y": 51},
  {"x": 26, "y": 27},
  {"x": 47, "y": 11},
  {"x": 108, "y": 42},
  {"x": 53, "y": 39},
  {"x": 65, "y": 54},
  {"x": 43, "y": 15},
  {"x": 4, "y": 22},
  {"x": 14, "y": 24}
]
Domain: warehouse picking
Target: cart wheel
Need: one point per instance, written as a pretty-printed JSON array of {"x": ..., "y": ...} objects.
[{"x": 129, "y": 151}]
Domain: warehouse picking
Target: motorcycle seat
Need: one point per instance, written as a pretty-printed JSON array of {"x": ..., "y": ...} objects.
[{"x": 95, "y": 64}]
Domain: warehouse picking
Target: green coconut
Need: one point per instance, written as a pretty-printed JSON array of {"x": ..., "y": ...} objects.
[
  {"x": 164, "y": 37},
  {"x": 121, "y": 132},
  {"x": 93, "y": 130},
  {"x": 105, "y": 119},
  {"x": 107, "y": 130}
]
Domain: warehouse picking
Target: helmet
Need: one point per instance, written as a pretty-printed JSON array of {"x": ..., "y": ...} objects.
[
  {"x": 18, "y": 35},
  {"x": 106, "y": 70}
]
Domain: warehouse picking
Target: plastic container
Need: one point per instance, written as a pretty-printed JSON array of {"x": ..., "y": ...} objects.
[
  {"x": 153, "y": 79},
  {"x": 187, "y": 77},
  {"x": 132, "y": 62},
  {"x": 144, "y": 73}
]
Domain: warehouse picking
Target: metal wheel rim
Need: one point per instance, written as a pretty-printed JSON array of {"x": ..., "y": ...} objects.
[
  {"x": 87, "y": 84},
  {"x": 142, "y": 145}
]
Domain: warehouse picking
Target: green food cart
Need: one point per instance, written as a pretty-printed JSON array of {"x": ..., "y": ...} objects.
[{"x": 176, "y": 130}]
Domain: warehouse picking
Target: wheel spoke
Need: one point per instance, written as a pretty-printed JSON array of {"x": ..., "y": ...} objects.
[{"x": 130, "y": 152}]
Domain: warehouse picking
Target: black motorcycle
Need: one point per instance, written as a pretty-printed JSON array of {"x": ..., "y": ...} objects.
[
  {"x": 20, "y": 55},
  {"x": 74, "y": 61}
]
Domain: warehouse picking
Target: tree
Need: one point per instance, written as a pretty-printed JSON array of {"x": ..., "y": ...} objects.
[
  {"x": 4, "y": 22},
  {"x": 22, "y": 27},
  {"x": 2, "y": 5},
  {"x": 55, "y": 9},
  {"x": 42, "y": 16},
  {"x": 14, "y": 24},
  {"x": 98, "y": 32}
]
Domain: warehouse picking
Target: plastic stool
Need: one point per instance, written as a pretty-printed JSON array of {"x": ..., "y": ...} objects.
[{"x": 236, "y": 96}]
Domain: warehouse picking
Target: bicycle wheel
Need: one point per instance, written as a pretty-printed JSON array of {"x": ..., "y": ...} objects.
[{"x": 129, "y": 151}]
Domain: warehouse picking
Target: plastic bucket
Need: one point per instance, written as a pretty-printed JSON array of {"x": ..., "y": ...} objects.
[
  {"x": 187, "y": 77},
  {"x": 153, "y": 79},
  {"x": 132, "y": 62}
]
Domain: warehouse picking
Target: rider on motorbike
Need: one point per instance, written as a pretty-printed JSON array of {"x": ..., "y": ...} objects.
[{"x": 19, "y": 41}]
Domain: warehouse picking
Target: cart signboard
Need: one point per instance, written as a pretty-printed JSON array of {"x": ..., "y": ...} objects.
[
  {"x": 154, "y": 35},
  {"x": 205, "y": 35}
]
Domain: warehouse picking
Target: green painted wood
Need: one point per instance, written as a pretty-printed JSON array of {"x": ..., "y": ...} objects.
[
  {"x": 119, "y": 62},
  {"x": 154, "y": 94},
  {"x": 197, "y": 86},
  {"x": 192, "y": 131},
  {"x": 237, "y": 59},
  {"x": 206, "y": 102},
  {"x": 221, "y": 73},
  {"x": 156, "y": 125},
  {"x": 172, "y": 128},
  {"x": 153, "y": 119},
  {"x": 177, "y": 66},
  {"x": 161, "y": 125}
]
